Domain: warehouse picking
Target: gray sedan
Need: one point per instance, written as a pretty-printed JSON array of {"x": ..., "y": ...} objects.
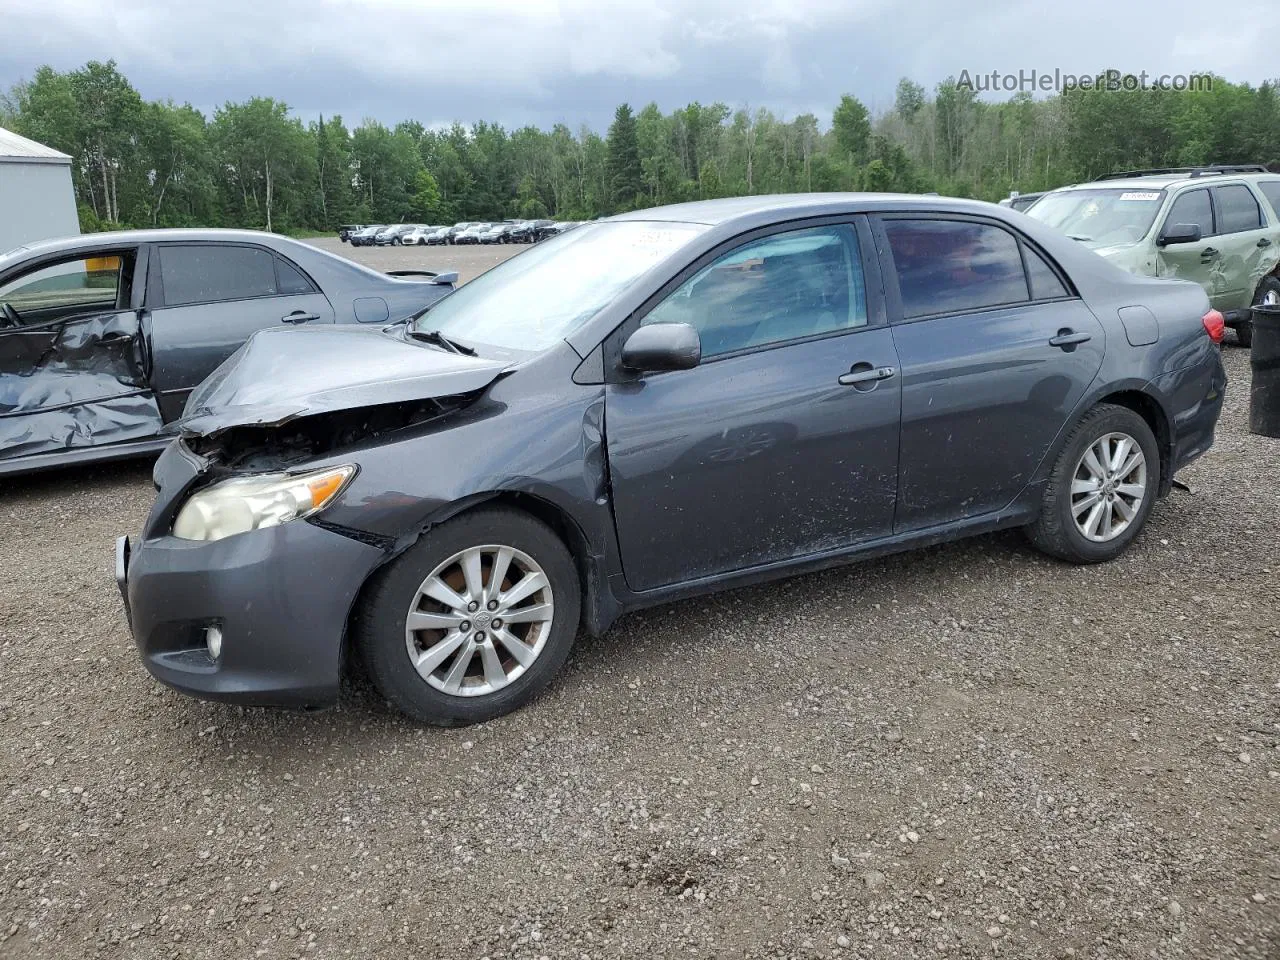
[
  {"x": 103, "y": 336},
  {"x": 664, "y": 404}
]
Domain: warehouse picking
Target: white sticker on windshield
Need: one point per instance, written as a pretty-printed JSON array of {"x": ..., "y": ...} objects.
[{"x": 1139, "y": 196}]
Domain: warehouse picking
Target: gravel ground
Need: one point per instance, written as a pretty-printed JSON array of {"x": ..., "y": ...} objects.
[{"x": 966, "y": 751}]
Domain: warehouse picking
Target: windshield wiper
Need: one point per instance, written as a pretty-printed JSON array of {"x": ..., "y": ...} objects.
[{"x": 440, "y": 340}]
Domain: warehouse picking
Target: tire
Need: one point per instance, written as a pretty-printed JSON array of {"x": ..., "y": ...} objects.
[
  {"x": 1268, "y": 292},
  {"x": 441, "y": 695},
  {"x": 1056, "y": 531}
]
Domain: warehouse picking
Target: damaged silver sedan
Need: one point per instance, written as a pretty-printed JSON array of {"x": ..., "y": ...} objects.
[{"x": 102, "y": 337}]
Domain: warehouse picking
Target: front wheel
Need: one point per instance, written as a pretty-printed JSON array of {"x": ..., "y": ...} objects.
[
  {"x": 474, "y": 620},
  {"x": 1101, "y": 489}
]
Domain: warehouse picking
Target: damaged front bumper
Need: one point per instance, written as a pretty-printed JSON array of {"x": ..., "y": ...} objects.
[{"x": 279, "y": 599}]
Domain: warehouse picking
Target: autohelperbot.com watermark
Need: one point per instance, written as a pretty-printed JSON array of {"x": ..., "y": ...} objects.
[{"x": 1060, "y": 81}]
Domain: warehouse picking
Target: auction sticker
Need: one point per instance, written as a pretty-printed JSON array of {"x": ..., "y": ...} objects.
[{"x": 1140, "y": 196}]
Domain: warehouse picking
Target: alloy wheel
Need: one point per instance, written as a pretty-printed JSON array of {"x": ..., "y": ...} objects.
[
  {"x": 1108, "y": 487},
  {"x": 479, "y": 620}
]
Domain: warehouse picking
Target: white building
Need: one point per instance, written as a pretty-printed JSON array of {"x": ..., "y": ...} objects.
[{"x": 37, "y": 201}]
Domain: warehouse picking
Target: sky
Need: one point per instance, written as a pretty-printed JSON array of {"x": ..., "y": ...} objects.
[{"x": 543, "y": 62}]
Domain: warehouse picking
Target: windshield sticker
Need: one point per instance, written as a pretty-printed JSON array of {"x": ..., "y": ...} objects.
[{"x": 1139, "y": 196}]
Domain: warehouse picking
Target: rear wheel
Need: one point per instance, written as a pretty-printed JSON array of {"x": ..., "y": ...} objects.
[
  {"x": 474, "y": 620},
  {"x": 1101, "y": 489}
]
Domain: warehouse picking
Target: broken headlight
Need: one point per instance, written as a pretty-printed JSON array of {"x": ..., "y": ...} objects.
[{"x": 251, "y": 503}]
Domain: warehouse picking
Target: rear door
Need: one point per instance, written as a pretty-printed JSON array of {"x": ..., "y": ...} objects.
[
  {"x": 73, "y": 357},
  {"x": 996, "y": 350},
  {"x": 1200, "y": 261},
  {"x": 206, "y": 299},
  {"x": 1245, "y": 243}
]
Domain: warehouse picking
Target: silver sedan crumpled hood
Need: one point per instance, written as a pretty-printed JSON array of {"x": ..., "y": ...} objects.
[{"x": 282, "y": 374}]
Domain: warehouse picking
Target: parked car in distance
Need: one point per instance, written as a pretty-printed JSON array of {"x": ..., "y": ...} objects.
[
  {"x": 417, "y": 237},
  {"x": 364, "y": 236},
  {"x": 542, "y": 229},
  {"x": 472, "y": 233},
  {"x": 802, "y": 380},
  {"x": 1021, "y": 201},
  {"x": 521, "y": 232},
  {"x": 345, "y": 231},
  {"x": 438, "y": 236},
  {"x": 460, "y": 228},
  {"x": 103, "y": 336},
  {"x": 1215, "y": 225},
  {"x": 392, "y": 236},
  {"x": 495, "y": 233}
]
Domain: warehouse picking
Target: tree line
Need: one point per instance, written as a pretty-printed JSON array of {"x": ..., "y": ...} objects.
[{"x": 141, "y": 163}]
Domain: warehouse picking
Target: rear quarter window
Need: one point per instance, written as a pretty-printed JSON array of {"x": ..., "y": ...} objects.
[{"x": 1271, "y": 190}]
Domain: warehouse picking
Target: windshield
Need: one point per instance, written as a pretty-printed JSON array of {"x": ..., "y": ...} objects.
[
  {"x": 541, "y": 296},
  {"x": 1100, "y": 217}
]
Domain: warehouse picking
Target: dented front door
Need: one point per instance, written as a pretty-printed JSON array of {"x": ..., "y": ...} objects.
[{"x": 74, "y": 383}]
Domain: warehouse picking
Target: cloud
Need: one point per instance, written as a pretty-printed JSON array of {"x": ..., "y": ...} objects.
[{"x": 543, "y": 61}]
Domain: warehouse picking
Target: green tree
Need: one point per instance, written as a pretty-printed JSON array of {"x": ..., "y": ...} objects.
[
  {"x": 425, "y": 204},
  {"x": 851, "y": 126},
  {"x": 626, "y": 175}
]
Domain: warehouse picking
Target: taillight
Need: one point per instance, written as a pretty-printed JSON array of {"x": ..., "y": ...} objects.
[{"x": 1214, "y": 325}]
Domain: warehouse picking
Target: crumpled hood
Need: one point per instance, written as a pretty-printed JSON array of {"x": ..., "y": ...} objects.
[{"x": 280, "y": 374}]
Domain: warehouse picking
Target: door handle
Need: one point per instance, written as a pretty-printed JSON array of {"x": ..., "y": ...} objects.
[
  {"x": 1263, "y": 242},
  {"x": 867, "y": 374},
  {"x": 1208, "y": 252},
  {"x": 1068, "y": 338},
  {"x": 299, "y": 316}
]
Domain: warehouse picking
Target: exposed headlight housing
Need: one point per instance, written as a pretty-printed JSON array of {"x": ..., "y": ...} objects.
[{"x": 252, "y": 503}]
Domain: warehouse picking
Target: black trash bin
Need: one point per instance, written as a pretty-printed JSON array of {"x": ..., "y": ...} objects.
[{"x": 1264, "y": 395}]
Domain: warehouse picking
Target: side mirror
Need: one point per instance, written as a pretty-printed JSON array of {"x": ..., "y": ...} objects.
[
  {"x": 662, "y": 346},
  {"x": 1179, "y": 233}
]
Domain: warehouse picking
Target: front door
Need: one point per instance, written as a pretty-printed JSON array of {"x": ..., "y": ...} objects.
[
  {"x": 209, "y": 298},
  {"x": 996, "y": 351},
  {"x": 783, "y": 442},
  {"x": 73, "y": 358}
]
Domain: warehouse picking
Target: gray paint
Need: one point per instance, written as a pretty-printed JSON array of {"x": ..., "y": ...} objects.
[
  {"x": 37, "y": 201},
  {"x": 670, "y": 485}
]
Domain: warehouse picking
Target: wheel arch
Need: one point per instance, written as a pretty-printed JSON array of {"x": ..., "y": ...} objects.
[
  {"x": 599, "y": 608},
  {"x": 1134, "y": 395}
]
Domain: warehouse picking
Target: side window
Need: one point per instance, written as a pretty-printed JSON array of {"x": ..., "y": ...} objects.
[
  {"x": 783, "y": 287},
  {"x": 211, "y": 273},
  {"x": 1238, "y": 210},
  {"x": 66, "y": 289},
  {"x": 1192, "y": 207},
  {"x": 1045, "y": 284},
  {"x": 290, "y": 279},
  {"x": 946, "y": 266},
  {"x": 1271, "y": 190}
]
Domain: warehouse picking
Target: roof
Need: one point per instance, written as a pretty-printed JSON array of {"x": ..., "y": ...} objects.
[
  {"x": 1163, "y": 181},
  {"x": 18, "y": 149},
  {"x": 98, "y": 241},
  {"x": 714, "y": 212}
]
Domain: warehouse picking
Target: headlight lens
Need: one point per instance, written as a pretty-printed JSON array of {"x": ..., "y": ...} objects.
[{"x": 252, "y": 503}]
